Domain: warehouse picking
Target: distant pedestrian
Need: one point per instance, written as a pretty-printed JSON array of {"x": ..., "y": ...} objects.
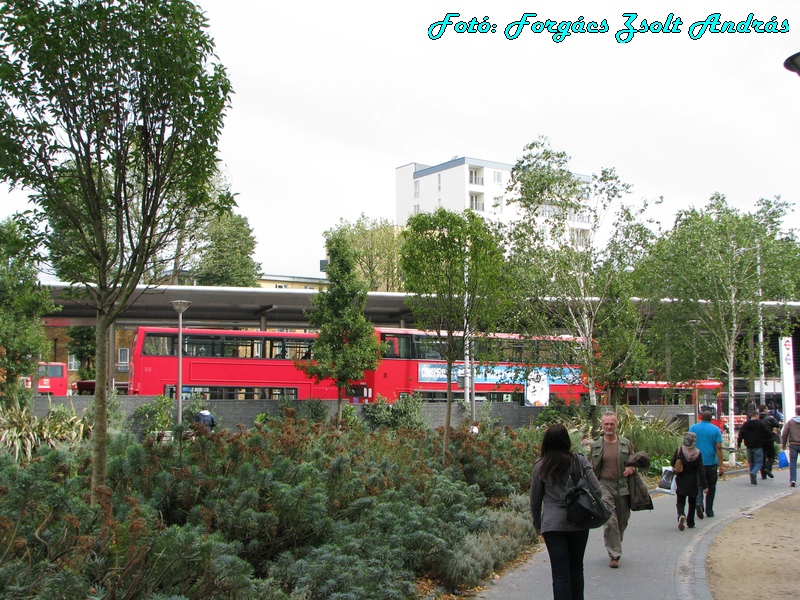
[
  {"x": 566, "y": 542},
  {"x": 769, "y": 441},
  {"x": 791, "y": 436},
  {"x": 773, "y": 410},
  {"x": 687, "y": 480},
  {"x": 752, "y": 433},
  {"x": 709, "y": 442},
  {"x": 750, "y": 409},
  {"x": 207, "y": 419},
  {"x": 609, "y": 455}
]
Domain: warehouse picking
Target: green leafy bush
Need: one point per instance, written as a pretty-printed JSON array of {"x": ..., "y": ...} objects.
[
  {"x": 404, "y": 412},
  {"x": 156, "y": 415}
]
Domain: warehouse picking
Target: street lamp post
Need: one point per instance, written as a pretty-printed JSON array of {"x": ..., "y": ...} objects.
[{"x": 180, "y": 307}]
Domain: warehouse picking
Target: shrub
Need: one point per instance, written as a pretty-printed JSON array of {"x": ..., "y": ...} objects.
[
  {"x": 404, "y": 412},
  {"x": 156, "y": 415}
]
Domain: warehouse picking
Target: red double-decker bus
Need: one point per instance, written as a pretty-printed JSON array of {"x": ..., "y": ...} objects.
[
  {"x": 226, "y": 364},
  {"x": 523, "y": 370},
  {"x": 701, "y": 392}
]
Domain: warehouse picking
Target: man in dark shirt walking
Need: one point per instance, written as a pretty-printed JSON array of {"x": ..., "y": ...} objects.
[
  {"x": 769, "y": 441},
  {"x": 753, "y": 432}
]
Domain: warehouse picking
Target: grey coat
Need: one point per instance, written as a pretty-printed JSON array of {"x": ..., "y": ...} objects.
[{"x": 547, "y": 506}]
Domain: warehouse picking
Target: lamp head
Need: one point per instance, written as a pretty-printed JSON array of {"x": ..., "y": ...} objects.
[{"x": 793, "y": 63}]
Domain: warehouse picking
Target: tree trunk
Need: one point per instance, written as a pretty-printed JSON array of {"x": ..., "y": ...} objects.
[
  {"x": 448, "y": 412},
  {"x": 339, "y": 407},
  {"x": 731, "y": 405},
  {"x": 100, "y": 430}
]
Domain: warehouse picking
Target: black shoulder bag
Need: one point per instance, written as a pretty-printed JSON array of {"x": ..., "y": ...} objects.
[{"x": 584, "y": 507}]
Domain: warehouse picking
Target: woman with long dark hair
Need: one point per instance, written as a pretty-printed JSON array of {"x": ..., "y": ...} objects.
[{"x": 566, "y": 543}]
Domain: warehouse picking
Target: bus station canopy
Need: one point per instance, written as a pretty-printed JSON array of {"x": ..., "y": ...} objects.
[
  {"x": 229, "y": 307},
  {"x": 224, "y": 307}
]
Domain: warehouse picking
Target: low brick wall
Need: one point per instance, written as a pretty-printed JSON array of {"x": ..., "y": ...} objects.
[{"x": 232, "y": 413}]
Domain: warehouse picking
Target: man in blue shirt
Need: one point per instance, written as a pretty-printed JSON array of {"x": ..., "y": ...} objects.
[{"x": 709, "y": 442}]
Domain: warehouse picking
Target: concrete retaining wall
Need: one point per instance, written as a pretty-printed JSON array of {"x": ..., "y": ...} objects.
[{"x": 232, "y": 413}]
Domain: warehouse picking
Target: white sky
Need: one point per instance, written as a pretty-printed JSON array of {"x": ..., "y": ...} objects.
[{"x": 331, "y": 97}]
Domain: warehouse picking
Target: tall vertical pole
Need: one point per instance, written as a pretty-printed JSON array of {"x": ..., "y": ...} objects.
[
  {"x": 179, "y": 388},
  {"x": 180, "y": 307},
  {"x": 760, "y": 326}
]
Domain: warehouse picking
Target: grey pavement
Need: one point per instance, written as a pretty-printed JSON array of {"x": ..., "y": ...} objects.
[{"x": 658, "y": 560}]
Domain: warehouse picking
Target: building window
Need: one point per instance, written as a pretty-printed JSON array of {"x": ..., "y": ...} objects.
[
  {"x": 580, "y": 238},
  {"x": 416, "y": 189},
  {"x": 475, "y": 178},
  {"x": 498, "y": 177},
  {"x": 123, "y": 355},
  {"x": 73, "y": 364},
  {"x": 498, "y": 204},
  {"x": 280, "y": 286},
  {"x": 416, "y": 209},
  {"x": 476, "y": 202},
  {"x": 439, "y": 181}
]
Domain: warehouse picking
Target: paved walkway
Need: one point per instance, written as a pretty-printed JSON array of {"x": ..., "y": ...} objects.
[{"x": 658, "y": 561}]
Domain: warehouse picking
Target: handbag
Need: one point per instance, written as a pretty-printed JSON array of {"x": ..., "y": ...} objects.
[
  {"x": 783, "y": 459},
  {"x": 667, "y": 483},
  {"x": 584, "y": 507},
  {"x": 640, "y": 497},
  {"x": 678, "y": 468}
]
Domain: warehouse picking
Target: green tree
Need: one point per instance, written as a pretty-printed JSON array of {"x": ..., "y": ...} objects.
[
  {"x": 573, "y": 272},
  {"x": 376, "y": 247},
  {"x": 454, "y": 271},
  {"x": 227, "y": 258},
  {"x": 23, "y": 301},
  {"x": 715, "y": 266},
  {"x": 111, "y": 112},
  {"x": 82, "y": 345},
  {"x": 177, "y": 264},
  {"x": 346, "y": 344}
]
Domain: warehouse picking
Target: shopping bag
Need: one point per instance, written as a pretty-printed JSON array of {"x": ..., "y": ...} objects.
[
  {"x": 667, "y": 482},
  {"x": 783, "y": 459}
]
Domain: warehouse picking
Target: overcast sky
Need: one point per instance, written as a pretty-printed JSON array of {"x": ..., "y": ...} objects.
[{"x": 331, "y": 97}]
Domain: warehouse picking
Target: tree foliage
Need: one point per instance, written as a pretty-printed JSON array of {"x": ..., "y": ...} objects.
[
  {"x": 454, "y": 271},
  {"x": 376, "y": 248},
  {"x": 110, "y": 114},
  {"x": 346, "y": 344},
  {"x": 571, "y": 248},
  {"x": 82, "y": 345},
  {"x": 227, "y": 259},
  {"x": 712, "y": 270},
  {"x": 23, "y": 301}
]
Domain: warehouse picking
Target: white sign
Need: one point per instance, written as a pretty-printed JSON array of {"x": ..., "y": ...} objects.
[
  {"x": 537, "y": 389},
  {"x": 787, "y": 377}
]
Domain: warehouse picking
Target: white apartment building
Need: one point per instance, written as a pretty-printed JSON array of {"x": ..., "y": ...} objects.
[
  {"x": 463, "y": 183},
  {"x": 455, "y": 185}
]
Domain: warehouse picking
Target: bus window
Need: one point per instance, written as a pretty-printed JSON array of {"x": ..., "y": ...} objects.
[
  {"x": 160, "y": 344},
  {"x": 51, "y": 370},
  {"x": 398, "y": 345},
  {"x": 428, "y": 347},
  {"x": 241, "y": 347}
]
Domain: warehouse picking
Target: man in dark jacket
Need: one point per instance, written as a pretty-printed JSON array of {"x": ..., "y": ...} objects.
[
  {"x": 769, "y": 442},
  {"x": 753, "y": 433},
  {"x": 207, "y": 419}
]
